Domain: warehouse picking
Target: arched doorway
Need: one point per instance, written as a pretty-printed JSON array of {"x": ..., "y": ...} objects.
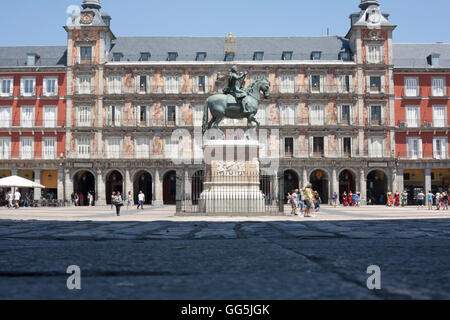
[
  {"x": 291, "y": 181},
  {"x": 319, "y": 181},
  {"x": 170, "y": 187},
  {"x": 376, "y": 187},
  {"x": 114, "y": 183},
  {"x": 83, "y": 183},
  {"x": 197, "y": 186},
  {"x": 143, "y": 182},
  {"x": 346, "y": 182}
]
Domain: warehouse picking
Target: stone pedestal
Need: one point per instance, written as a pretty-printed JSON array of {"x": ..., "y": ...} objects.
[{"x": 232, "y": 182}]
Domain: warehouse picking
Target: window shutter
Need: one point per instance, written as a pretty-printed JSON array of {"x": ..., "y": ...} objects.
[
  {"x": 383, "y": 84},
  {"x": 11, "y": 87},
  {"x": 44, "y": 87},
  {"x": 420, "y": 155},
  {"x": 22, "y": 86}
]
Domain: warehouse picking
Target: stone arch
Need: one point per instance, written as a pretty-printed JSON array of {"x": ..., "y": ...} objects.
[
  {"x": 377, "y": 186},
  {"x": 169, "y": 186},
  {"x": 320, "y": 181},
  {"x": 143, "y": 181},
  {"x": 114, "y": 180},
  {"x": 84, "y": 181},
  {"x": 291, "y": 180},
  {"x": 347, "y": 181}
]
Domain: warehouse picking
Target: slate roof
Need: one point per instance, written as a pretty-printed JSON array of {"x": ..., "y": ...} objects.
[
  {"x": 49, "y": 56},
  {"x": 187, "y": 47},
  {"x": 414, "y": 55}
]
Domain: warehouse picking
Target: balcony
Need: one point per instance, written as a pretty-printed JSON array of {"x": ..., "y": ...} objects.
[
  {"x": 412, "y": 93},
  {"x": 440, "y": 93},
  {"x": 84, "y": 89},
  {"x": 412, "y": 155},
  {"x": 32, "y": 124}
]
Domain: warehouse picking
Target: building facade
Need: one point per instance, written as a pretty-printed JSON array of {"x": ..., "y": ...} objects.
[{"x": 134, "y": 108}]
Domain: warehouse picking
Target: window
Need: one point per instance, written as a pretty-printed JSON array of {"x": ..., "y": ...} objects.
[
  {"x": 172, "y": 56},
  {"x": 113, "y": 148},
  {"x": 411, "y": 87},
  {"x": 143, "y": 84},
  {"x": 344, "y": 83},
  {"x": 438, "y": 87},
  {"x": 115, "y": 116},
  {"x": 84, "y": 116},
  {"x": 145, "y": 56},
  {"x": 345, "y": 114},
  {"x": 198, "y": 116},
  {"x": 287, "y": 83},
  {"x": 5, "y": 148},
  {"x": 5, "y": 117},
  {"x": 27, "y": 116},
  {"x": 50, "y": 117},
  {"x": 49, "y": 147},
  {"x": 318, "y": 146},
  {"x": 142, "y": 116},
  {"x": 374, "y": 54},
  {"x": 115, "y": 84},
  {"x": 375, "y": 115},
  {"x": 413, "y": 116},
  {"x": 117, "y": 56},
  {"x": 50, "y": 86},
  {"x": 440, "y": 147},
  {"x": 6, "y": 87},
  {"x": 288, "y": 147},
  {"x": 287, "y": 55},
  {"x": 86, "y": 54},
  {"x": 439, "y": 116},
  {"x": 344, "y": 56},
  {"x": 347, "y": 147},
  {"x": 200, "y": 84},
  {"x": 258, "y": 56},
  {"x": 376, "y": 147},
  {"x": 170, "y": 148},
  {"x": 201, "y": 56},
  {"x": 414, "y": 147},
  {"x": 84, "y": 85},
  {"x": 375, "y": 84},
  {"x": 317, "y": 115},
  {"x": 316, "y": 55},
  {"x": 171, "y": 115},
  {"x": 434, "y": 60},
  {"x": 142, "y": 148},
  {"x": 315, "y": 84},
  {"x": 288, "y": 115},
  {"x": 229, "y": 56},
  {"x": 28, "y": 87},
  {"x": 31, "y": 59},
  {"x": 84, "y": 147},
  {"x": 172, "y": 84},
  {"x": 26, "y": 147}
]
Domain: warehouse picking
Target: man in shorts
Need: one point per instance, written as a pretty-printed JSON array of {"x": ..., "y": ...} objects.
[
  {"x": 308, "y": 200},
  {"x": 420, "y": 199}
]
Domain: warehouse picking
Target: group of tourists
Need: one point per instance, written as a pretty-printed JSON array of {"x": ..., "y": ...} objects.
[
  {"x": 439, "y": 200},
  {"x": 397, "y": 199},
  {"x": 78, "y": 199},
  {"x": 304, "y": 201},
  {"x": 117, "y": 201},
  {"x": 13, "y": 200},
  {"x": 349, "y": 199}
]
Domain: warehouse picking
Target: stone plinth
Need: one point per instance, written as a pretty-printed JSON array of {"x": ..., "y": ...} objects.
[{"x": 232, "y": 182}]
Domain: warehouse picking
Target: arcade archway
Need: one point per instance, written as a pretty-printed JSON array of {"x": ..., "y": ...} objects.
[
  {"x": 114, "y": 183},
  {"x": 347, "y": 182},
  {"x": 170, "y": 187},
  {"x": 291, "y": 181},
  {"x": 319, "y": 181},
  {"x": 83, "y": 183},
  {"x": 377, "y": 187},
  {"x": 143, "y": 182}
]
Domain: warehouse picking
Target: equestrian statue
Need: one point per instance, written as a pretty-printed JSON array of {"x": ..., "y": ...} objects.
[{"x": 236, "y": 102}]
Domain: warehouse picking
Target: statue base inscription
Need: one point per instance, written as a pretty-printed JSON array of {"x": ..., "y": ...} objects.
[{"x": 232, "y": 182}]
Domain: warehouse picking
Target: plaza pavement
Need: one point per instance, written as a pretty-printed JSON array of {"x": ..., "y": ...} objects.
[{"x": 153, "y": 254}]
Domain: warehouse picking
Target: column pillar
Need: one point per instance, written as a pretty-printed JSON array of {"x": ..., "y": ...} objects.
[
  {"x": 180, "y": 185},
  {"x": 363, "y": 186},
  {"x": 305, "y": 177},
  {"x": 158, "y": 192},
  {"x": 400, "y": 180},
  {"x": 427, "y": 183},
  {"x": 187, "y": 188},
  {"x": 274, "y": 186},
  {"x": 68, "y": 185},
  {"x": 128, "y": 185},
  {"x": 394, "y": 181},
  {"x": 100, "y": 192},
  {"x": 334, "y": 184},
  {"x": 60, "y": 195},
  {"x": 37, "y": 191}
]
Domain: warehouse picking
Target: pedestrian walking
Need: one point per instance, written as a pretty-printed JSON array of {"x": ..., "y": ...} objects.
[
  {"x": 317, "y": 201},
  {"x": 445, "y": 200},
  {"x": 308, "y": 200},
  {"x": 72, "y": 197},
  {"x": 335, "y": 196},
  {"x": 141, "y": 200},
  {"x": 118, "y": 202},
  {"x": 405, "y": 199},
  {"x": 420, "y": 199},
  {"x": 129, "y": 200},
  {"x": 430, "y": 200},
  {"x": 10, "y": 199},
  {"x": 113, "y": 196},
  {"x": 26, "y": 202},
  {"x": 17, "y": 197}
]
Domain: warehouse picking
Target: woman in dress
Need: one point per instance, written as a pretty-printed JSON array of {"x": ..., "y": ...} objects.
[
  {"x": 390, "y": 200},
  {"x": 345, "y": 199},
  {"x": 397, "y": 199},
  {"x": 350, "y": 199},
  {"x": 129, "y": 200}
]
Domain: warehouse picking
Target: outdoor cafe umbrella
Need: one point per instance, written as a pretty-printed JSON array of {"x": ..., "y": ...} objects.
[{"x": 19, "y": 182}]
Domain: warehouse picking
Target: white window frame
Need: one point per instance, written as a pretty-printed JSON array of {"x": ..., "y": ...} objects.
[
  {"x": 84, "y": 147},
  {"x": 49, "y": 149},
  {"x": 382, "y": 111},
  {"x": 321, "y": 83},
  {"x": 10, "y": 91},
  {"x": 317, "y": 120},
  {"x": 374, "y": 53},
  {"x": 412, "y": 153},
  {"x": 47, "y": 121},
  {"x": 45, "y": 86},
  {"x": 148, "y": 88},
  {"x": 352, "y": 145},
  {"x": 84, "y": 116},
  {"x": 117, "y": 121},
  {"x": 23, "y": 86},
  {"x": 412, "y": 87},
  {"x": 342, "y": 88},
  {"x": 5, "y": 148},
  {"x": 382, "y": 83},
  {"x": 27, "y": 123},
  {"x": 195, "y": 84},
  {"x": 287, "y": 83},
  {"x": 115, "y": 84},
  {"x": 435, "y": 121},
  {"x": 85, "y": 85},
  {"x": 142, "y": 152},
  {"x": 373, "y": 153},
  {"x": 440, "y": 147},
  {"x": 24, "y": 153},
  {"x": 172, "y": 84},
  {"x": 294, "y": 149},
  {"x": 114, "y": 150},
  {"x": 5, "y": 116},
  {"x": 287, "y": 113},
  {"x": 412, "y": 122},
  {"x": 147, "y": 116},
  {"x": 352, "y": 113},
  {"x": 438, "y": 91}
]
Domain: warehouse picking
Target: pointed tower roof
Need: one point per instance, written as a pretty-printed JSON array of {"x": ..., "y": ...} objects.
[
  {"x": 367, "y": 3},
  {"x": 91, "y": 4}
]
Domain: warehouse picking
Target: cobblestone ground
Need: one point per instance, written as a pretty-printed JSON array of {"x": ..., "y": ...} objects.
[{"x": 151, "y": 254}]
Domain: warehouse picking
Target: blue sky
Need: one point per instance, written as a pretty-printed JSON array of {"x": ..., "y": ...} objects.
[{"x": 31, "y": 22}]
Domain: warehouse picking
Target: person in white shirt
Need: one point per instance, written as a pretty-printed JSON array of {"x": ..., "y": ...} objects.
[
  {"x": 17, "y": 197},
  {"x": 10, "y": 199},
  {"x": 141, "y": 199}
]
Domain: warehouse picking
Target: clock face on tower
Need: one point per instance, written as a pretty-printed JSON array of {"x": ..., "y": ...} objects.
[
  {"x": 374, "y": 17},
  {"x": 86, "y": 18}
]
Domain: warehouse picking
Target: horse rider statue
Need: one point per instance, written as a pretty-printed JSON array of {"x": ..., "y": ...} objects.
[{"x": 235, "y": 87}]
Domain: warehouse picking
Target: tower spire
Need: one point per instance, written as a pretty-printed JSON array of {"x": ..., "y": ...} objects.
[
  {"x": 367, "y": 3},
  {"x": 91, "y": 4}
]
